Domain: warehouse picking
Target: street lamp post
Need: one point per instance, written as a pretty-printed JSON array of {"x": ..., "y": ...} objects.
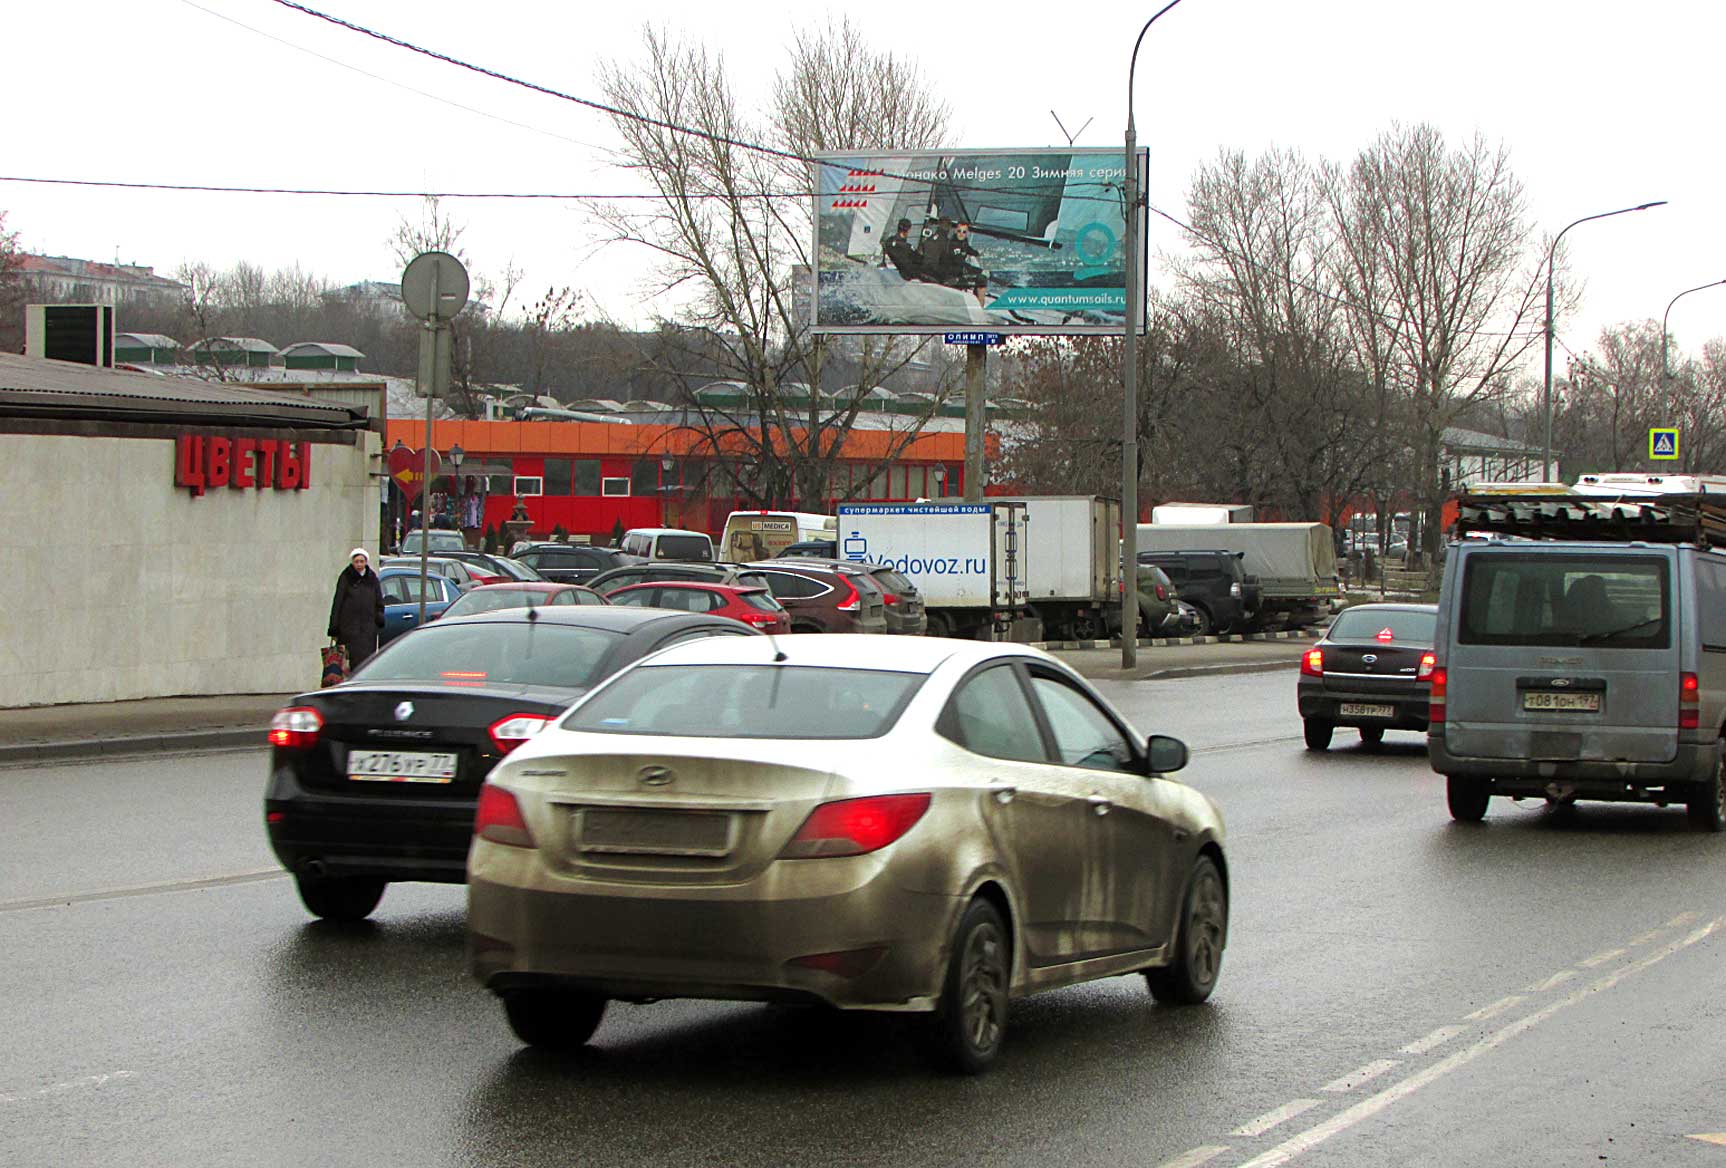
[
  {"x": 1546, "y": 395},
  {"x": 1665, "y": 362},
  {"x": 1130, "y": 378}
]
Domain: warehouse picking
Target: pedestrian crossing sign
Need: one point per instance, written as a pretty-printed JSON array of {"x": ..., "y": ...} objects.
[{"x": 1663, "y": 444}]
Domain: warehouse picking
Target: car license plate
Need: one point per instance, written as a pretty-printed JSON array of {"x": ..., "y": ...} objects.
[
  {"x": 1588, "y": 703},
  {"x": 655, "y": 833},
  {"x": 401, "y": 766},
  {"x": 1366, "y": 710}
]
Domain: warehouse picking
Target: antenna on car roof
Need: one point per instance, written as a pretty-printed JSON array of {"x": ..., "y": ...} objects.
[{"x": 778, "y": 653}]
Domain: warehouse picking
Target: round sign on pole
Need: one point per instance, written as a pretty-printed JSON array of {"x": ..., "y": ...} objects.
[{"x": 434, "y": 286}]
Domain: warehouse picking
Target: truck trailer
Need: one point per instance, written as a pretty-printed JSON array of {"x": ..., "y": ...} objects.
[{"x": 968, "y": 560}]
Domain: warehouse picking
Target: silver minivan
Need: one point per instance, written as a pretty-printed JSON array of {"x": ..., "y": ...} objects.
[{"x": 1572, "y": 670}]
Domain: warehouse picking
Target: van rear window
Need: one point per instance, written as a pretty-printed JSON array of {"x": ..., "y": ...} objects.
[
  {"x": 684, "y": 547},
  {"x": 1613, "y": 602}
]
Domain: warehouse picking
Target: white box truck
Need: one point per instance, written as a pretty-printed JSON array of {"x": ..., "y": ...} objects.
[
  {"x": 1197, "y": 513},
  {"x": 1295, "y": 562},
  {"x": 968, "y": 560},
  {"x": 1074, "y": 574}
]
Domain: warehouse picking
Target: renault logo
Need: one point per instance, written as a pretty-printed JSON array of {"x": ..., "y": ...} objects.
[
  {"x": 404, "y": 711},
  {"x": 655, "y": 776}
]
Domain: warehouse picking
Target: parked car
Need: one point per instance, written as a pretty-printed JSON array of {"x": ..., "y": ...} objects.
[
  {"x": 375, "y": 780},
  {"x": 434, "y": 540},
  {"x": 902, "y": 604},
  {"x": 645, "y": 573},
  {"x": 491, "y": 569},
  {"x": 531, "y": 594},
  {"x": 755, "y": 607},
  {"x": 1372, "y": 670},
  {"x": 1214, "y": 583},
  {"x": 1183, "y": 621},
  {"x": 818, "y": 549},
  {"x": 568, "y": 563},
  {"x": 824, "y": 598},
  {"x": 1157, "y": 599},
  {"x": 652, "y": 544},
  {"x": 401, "y": 589},
  {"x": 464, "y": 575},
  {"x": 904, "y": 825}
]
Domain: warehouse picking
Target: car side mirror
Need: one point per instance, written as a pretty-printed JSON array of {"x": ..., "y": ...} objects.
[{"x": 1166, "y": 755}]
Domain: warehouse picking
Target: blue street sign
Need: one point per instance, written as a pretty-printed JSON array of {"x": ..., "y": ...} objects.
[
  {"x": 1663, "y": 442},
  {"x": 973, "y": 338}
]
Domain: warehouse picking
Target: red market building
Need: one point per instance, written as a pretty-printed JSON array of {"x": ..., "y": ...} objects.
[{"x": 588, "y": 477}]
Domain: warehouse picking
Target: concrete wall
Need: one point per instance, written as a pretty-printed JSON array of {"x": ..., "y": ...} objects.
[{"x": 120, "y": 585}]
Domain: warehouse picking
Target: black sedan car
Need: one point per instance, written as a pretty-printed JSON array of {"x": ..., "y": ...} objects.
[
  {"x": 376, "y": 780},
  {"x": 1371, "y": 670}
]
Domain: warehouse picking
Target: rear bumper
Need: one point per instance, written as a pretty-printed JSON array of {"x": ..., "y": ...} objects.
[
  {"x": 401, "y": 838},
  {"x": 1324, "y": 701},
  {"x": 1582, "y": 778}
]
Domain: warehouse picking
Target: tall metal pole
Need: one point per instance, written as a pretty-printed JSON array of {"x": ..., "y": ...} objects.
[
  {"x": 1546, "y": 392},
  {"x": 976, "y": 369},
  {"x": 430, "y": 390},
  {"x": 1130, "y": 377},
  {"x": 1665, "y": 361}
]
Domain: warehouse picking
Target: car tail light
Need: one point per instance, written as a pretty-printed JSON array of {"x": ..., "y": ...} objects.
[
  {"x": 846, "y": 963},
  {"x": 853, "y": 599},
  {"x": 1162, "y": 593},
  {"x": 498, "y": 818},
  {"x": 509, "y": 733},
  {"x": 889, "y": 598},
  {"x": 853, "y": 827},
  {"x": 296, "y": 728},
  {"x": 1689, "y": 702},
  {"x": 1428, "y": 661},
  {"x": 1435, "y": 699},
  {"x": 1235, "y": 589},
  {"x": 1312, "y": 662}
]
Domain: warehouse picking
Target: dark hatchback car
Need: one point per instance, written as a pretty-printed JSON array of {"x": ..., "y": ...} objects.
[
  {"x": 1372, "y": 670},
  {"x": 376, "y": 780},
  {"x": 570, "y": 563}
]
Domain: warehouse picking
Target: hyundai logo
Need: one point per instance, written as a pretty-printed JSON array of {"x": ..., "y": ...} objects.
[
  {"x": 655, "y": 776},
  {"x": 404, "y": 711}
]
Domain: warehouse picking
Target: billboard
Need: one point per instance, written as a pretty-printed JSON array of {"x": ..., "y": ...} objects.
[{"x": 1008, "y": 241}]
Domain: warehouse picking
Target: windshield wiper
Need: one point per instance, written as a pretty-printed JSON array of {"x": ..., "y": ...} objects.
[{"x": 1592, "y": 637}]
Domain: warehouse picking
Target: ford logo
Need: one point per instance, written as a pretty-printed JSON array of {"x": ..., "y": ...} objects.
[
  {"x": 1561, "y": 682},
  {"x": 404, "y": 711},
  {"x": 655, "y": 776}
]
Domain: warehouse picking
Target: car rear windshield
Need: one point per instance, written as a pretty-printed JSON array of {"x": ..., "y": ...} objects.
[
  {"x": 1612, "y": 601},
  {"x": 762, "y": 600},
  {"x": 440, "y": 541},
  {"x": 484, "y": 601},
  {"x": 494, "y": 653},
  {"x": 1365, "y": 624},
  {"x": 748, "y": 701},
  {"x": 894, "y": 582},
  {"x": 683, "y": 547}
]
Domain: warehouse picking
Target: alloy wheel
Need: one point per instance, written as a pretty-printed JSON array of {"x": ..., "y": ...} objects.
[{"x": 983, "y": 987}]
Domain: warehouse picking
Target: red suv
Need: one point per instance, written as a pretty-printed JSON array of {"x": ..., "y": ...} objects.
[{"x": 754, "y": 607}]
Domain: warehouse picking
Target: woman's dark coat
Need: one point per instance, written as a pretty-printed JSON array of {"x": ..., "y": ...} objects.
[{"x": 357, "y": 614}]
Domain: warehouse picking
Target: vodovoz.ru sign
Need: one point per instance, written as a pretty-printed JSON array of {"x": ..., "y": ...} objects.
[{"x": 204, "y": 461}]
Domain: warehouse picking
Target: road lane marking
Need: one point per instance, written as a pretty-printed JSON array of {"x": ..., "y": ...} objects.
[
  {"x": 142, "y": 890},
  {"x": 1372, "y": 1105},
  {"x": 1710, "y": 1138},
  {"x": 1552, "y": 982},
  {"x": 1195, "y": 1157},
  {"x": 1600, "y": 958},
  {"x": 68, "y": 1085},
  {"x": 1437, "y": 1038},
  {"x": 1270, "y": 1119},
  {"x": 1494, "y": 1009},
  {"x": 1360, "y": 1075}
]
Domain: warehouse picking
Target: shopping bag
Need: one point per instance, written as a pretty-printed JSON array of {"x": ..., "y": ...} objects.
[{"x": 335, "y": 660}]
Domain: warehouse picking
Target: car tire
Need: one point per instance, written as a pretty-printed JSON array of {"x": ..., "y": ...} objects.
[
  {"x": 1317, "y": 733},
  {"x": 1205, "y": 624},
  {"x": 1707, "y": 807},
  {"x": 940, "y": 624},
  {"x": 970, "y": 1021},
  {"x": 340, "y": 898},
  {"x": 555, "y": 1020},
  {"x": 1085, "y": 627},
  {"x": 1200, "y": 937},
  {"x": 1467, "y": 798},
  {"x": 1372, "y": 736}
]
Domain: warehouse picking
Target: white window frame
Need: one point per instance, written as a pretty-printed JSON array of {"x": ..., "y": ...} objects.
[
  {"x": 608, "y": 487},
  {"x": 523, "y": 483}
]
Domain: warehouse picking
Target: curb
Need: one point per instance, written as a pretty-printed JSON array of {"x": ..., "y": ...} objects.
[
  {"x": 1216, "y": 670},
  {"x": 132, "y": 744},
  {"x": 1208, "y": 639}
]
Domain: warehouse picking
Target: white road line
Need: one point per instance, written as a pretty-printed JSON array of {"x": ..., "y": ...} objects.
[
  {"x": 1601, "y": 958},
  {"x": 1437, "y": 1038},
  {"x": 1360, "y": 1075},
  {"x": 1552, "y": 982},
  {"x": 1270, "y": 1119},
  {"x": 72, "y": 898},
  {"x": 1495, "y": 1009},
  {"x": 69, "y": 1085},
  {"x": 1195, "y": 1157},
  {"x": 1366, "y": 1108}
]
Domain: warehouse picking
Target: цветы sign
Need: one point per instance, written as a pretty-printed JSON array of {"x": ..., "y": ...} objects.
[{"x": 202, "y": 461}]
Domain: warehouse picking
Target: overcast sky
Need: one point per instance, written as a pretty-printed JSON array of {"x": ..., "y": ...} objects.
[{"x": 1601, "y": 106}]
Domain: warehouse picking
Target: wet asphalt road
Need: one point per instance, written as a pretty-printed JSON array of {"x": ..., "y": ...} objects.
[{"x": 1546, "y": 989}]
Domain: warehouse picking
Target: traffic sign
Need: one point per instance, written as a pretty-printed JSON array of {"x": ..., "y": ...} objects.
[
  {"x": 434, "y": 287},
  {"x": 1663, "y": 443},
  {"x": 407, "y": 468},
  {"x": 973, "y": 338}
]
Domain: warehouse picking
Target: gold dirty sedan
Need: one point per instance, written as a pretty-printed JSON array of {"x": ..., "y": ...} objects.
[{"x": 876, "y": 823}]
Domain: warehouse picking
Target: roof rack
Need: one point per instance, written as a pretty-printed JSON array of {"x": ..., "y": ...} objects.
[{"x": 1598, "y": 510}]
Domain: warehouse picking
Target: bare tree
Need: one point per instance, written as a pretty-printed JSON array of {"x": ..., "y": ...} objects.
[
  {"x": 12, "y": 291},
  {"x": 434, "y": 230}
]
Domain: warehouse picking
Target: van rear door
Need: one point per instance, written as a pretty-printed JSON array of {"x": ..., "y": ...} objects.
[{"x": 1564, "y": 653}]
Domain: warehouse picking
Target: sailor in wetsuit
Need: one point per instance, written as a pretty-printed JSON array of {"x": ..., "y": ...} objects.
[
  {"x": 953, "y": 269},
  {"x": 902, "y": 253}
]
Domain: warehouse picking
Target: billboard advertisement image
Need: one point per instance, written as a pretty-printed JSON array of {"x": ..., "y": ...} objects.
[{"x": 1011, "y": 241}]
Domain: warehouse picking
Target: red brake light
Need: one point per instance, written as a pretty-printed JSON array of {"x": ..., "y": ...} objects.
[
  {"x": 1386, "y": 635},
  {"x": 1427, "y": 663},
  {"x": 1162, "y": 593},
  {"x": 1312, "y": 662},
  {"x": 1439, "y": 676},
  {"x": 509, "y": 733},
  {"x": 889, "y": 598},
  {"x": 498, "y": 818},
  {"x": 853, "y": 827},
  {"x": 295, "y": 728},
  {"x": 1689, "y": 702},
  {"x": 853, "y": 599}
]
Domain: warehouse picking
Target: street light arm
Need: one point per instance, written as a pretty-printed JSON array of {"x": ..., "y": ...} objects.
[
  {"x": 1551, "y": 251},
  {"x": 1133, "y": 64},
  {"x": 1665, "y": 364}
]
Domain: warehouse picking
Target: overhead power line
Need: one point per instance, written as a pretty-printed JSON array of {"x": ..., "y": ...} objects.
[{"x": 224, "y": 190}]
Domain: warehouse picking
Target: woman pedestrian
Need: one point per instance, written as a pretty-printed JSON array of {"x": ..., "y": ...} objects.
[{"x": 358, "y": 611}]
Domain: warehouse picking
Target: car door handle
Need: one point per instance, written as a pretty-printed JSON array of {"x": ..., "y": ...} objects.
[
  {"x": 1099, "y": 803},
  {"x": 1005, "y": 795},
  {"x": 412, "y": 616},
  {"x": 1181, "y": 834}
]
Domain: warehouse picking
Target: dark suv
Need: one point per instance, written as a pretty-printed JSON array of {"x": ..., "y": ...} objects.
[
  {"x": 825, "y": 598},
  {"x": 570, "y": 563},
  {"x": 1214, "y": 583},
  {"x": 903, "y": 603}
]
